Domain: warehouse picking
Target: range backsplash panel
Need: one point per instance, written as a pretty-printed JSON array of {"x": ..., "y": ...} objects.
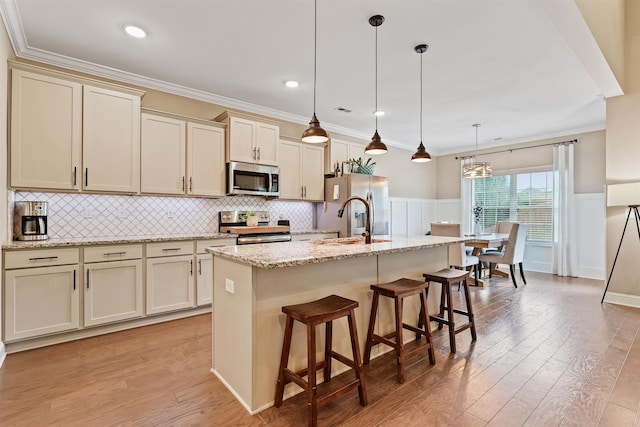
[{"x": 99, "y": 215}]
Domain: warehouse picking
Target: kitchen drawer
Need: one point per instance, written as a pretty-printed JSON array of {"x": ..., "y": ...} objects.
[
  {"x": 201, "y": 245},
  {"x": 112, "y": 253},
  {"x": 169, "y": 248},
  {"x": 40, "y": 258}
]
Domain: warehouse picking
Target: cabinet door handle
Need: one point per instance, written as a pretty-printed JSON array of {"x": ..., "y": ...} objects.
[
  {"x": 115, "y": 253},
  {"x": 190, "y": 184},
  {"x": 254, "y": 154},
  {"x": 86, "y": 177},
  {"x": 75, "y": 175},
  {"x": 258, "y": 153},
  {"x": 191, "y": 267},
  {"x": 87, "y": 278},
  {"x": 43, "y": 258},
  {"x": 74, "y": 279},
  {"x": 183, "y": 183},
  {"x": 305, "y": 191},
  {"x": 302, "y": 191},
  {"x": 200, "y": 267},
  {"x": 170, "y": 249}
]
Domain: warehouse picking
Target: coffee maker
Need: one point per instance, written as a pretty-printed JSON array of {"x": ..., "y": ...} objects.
[{"x": 30, "y": 221}]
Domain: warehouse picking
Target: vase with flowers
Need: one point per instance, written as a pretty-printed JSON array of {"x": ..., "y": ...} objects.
[{"x": 477, "y": 215}]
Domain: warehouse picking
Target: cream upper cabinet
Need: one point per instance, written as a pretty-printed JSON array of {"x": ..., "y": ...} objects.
[
  {"x": 312, "y": 172},
  {"x": 162, "y": 154},
  {"x": 46, "y": 131},
  {"x": 340, "y": 151},
  {"x": 251, "y": 141},
  {"x": 205, "y": 160},
  {"x": 181, "y": 157},
  {"x": 301, "y": 171},
  {"x": 111, "y": 140}
]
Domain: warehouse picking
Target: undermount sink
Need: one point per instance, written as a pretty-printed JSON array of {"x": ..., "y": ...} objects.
[{"x": 347, "y": 241}]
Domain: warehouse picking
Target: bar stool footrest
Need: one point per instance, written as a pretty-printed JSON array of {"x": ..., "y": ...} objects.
[{"x": 334, "y": 392}]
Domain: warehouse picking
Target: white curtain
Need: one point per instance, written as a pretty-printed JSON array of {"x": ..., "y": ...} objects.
[
  {"x": 466, "y": 202},
  {"x": 564, "y": 259}
]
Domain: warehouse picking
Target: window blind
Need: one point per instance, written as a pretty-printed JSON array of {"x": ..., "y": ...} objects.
[{"x": 523, "y": 197}]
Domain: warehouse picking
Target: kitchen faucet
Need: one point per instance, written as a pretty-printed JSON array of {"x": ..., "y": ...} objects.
[{"x": 367, "y": 226}]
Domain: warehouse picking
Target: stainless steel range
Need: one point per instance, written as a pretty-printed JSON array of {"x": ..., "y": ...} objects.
[{"x": 235, "y": 222}]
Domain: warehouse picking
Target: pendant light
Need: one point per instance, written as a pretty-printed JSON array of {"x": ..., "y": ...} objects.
[
  {"x": 314, "y": 133},
  {"x": 475, "y": 169},
  {"x": 421, "y": 156},
  {"x": 376, "y": 146}
]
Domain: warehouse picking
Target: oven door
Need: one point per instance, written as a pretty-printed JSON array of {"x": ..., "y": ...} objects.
[
  {"x": 248, "y": 239},
  {"x": 250, "y": 179}
]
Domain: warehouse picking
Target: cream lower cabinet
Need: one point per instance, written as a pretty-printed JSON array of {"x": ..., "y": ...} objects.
[
  {"x": 113, "y": 284},
  {"x": 41, "y": 297},
  {"x": 170, "y": 274},
  {"x": 301, "y": 171},
  {"x": 204, "y": 266}
]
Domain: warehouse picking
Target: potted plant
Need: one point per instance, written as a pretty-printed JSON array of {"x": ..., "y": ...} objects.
[
  {"x": 362, "y": 166},
  {"x": 252, "y": 219}
]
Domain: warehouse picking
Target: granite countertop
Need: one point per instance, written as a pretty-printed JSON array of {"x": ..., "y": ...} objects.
[
  {"x": 289, "y": 254},
  {"x": 92, "y": 241}
]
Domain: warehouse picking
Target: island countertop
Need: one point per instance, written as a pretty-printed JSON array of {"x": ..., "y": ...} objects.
[{"x": 289, "y": 254}]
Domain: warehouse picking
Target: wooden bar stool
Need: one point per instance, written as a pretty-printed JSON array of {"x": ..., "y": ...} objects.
[
  {"x": 314, "y": 313},
  {"x": 398, "y": 290},
  {"x": 446, "y": 278}
]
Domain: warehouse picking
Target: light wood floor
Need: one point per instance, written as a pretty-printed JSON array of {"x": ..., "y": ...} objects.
[{"x": 547, "y": 354}]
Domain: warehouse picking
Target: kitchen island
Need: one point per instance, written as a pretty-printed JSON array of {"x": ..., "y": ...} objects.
[{"x": 251, "y": 283}]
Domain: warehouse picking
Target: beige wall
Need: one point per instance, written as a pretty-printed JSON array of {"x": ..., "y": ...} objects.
[
  {"x": 622, "y": 158},
  {"x": 605, "y": 20},
  {"x": 589, "y": 173}
]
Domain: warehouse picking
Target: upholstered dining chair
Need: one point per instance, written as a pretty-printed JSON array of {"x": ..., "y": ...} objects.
[
  {"x": 458, "y": 256},
  {"x": 512, "y": 253}
]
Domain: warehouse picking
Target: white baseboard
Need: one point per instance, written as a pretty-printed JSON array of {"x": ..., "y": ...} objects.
[
  {"x": 3, "y": 353},
  {"x": 540, "y": 267},
  {"x": 591, "y": 272},
  {"x": 623, "y": 299},
  {"x": 236, "y": 395}
]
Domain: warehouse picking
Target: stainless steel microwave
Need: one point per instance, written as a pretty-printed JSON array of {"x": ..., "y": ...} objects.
[{"x": 252, "y": 179}]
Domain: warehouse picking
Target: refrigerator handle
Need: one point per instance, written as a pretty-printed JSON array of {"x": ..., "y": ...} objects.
[{"x": 372, "y": 211}]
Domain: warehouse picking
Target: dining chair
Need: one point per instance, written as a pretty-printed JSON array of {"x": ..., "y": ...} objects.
[
  {"x": 458, "y": 256},
  {"x": 512, "y": 254}
]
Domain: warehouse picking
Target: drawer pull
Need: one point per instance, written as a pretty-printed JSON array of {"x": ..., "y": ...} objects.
[
  {"x": 43, "y": 258},
  {"x": 115, "y": 253},
  {"x": 171, "y": 249}
]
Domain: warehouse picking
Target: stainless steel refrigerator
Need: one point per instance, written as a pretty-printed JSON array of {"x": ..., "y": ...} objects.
[{"x": 374, "y": 189}]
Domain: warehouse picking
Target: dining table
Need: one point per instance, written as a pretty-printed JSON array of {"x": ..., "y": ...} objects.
[{"x": 485, "y": 241}]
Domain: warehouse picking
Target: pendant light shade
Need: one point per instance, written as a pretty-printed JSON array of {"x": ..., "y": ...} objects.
[
  {"x": 474, "y": 169},
  {"x": 421, "y": 155},
  {"x": 314, "y": 133},
  {"x": 376, "y": 146}
]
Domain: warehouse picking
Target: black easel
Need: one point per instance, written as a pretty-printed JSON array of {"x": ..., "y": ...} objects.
[{"x": 633, "y": 208}]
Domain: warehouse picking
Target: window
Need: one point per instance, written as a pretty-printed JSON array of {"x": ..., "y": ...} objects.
[{"x": 523, "y": 197}]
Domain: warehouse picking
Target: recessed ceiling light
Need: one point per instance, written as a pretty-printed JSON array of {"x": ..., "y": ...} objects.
[
  {"x": 291, "y": 83},
  {"x": 379, "y": 113},
  {"x": 134, "y": 31}
]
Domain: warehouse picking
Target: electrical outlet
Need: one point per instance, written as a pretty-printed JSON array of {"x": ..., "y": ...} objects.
[
  {"x": 171, "y": 213},
  {"x": 88, "y": 213},
  {"x": 229, "y": 285}
]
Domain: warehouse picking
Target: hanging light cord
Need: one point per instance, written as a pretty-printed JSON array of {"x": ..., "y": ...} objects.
[
  {"x": 315, "y": 51},
  {"x": 375, "y": 113},
  {"x": 421, "y": 53}
]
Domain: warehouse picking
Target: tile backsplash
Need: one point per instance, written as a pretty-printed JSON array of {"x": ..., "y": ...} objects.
[{"x": 100, "y": 215}]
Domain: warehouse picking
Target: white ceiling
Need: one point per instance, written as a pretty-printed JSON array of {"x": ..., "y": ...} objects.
[{"x": 524, "y": 69}]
